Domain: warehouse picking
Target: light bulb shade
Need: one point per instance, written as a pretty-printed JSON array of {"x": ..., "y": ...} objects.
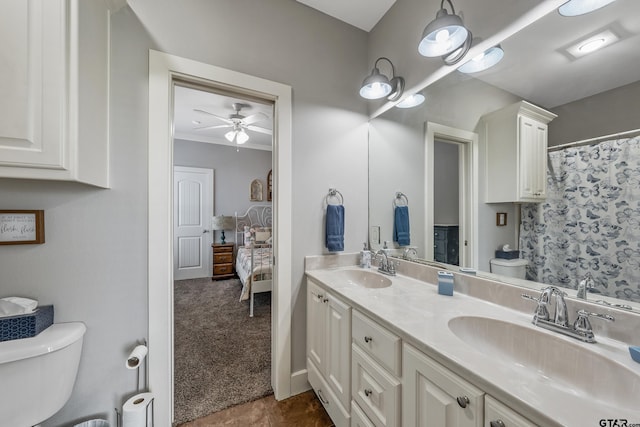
[
  {"x": 443, "y": 35},
  {"x": 411, "y": 101},
  {"x": 223, "y": 222},
  {"x": 375, "y": 85},
  {"x": 485, "y": 60},
  {"x": 242, "y": 137},
  {"x": 580, "y": 7},
  {"x": 230, "y": 135}
]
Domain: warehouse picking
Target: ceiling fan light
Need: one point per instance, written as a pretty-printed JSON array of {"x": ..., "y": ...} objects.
[
  {"x": 242, "y": 137},
  {"x": 230, "y": 135},
  {"x": 485, "y": 60},
  {"x": 375, "y": 85},
  {"x": 443, "y": 35},
  {"x": 580, "y": 7}
]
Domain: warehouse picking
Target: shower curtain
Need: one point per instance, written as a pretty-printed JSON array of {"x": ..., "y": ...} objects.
[{"x": 590, "y": 221}]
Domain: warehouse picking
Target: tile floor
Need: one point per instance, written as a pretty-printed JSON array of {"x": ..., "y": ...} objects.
[{"x": 303, "y": 410}]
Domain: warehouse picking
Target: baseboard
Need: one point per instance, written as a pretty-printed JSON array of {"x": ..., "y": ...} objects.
[{"x": 299, "y": 383}]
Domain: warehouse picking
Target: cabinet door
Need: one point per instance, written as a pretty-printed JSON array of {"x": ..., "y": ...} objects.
[
  {"x": 533, "y": 158},
  {"x": 433, "y": 396},
  {"x": 498, "y": 415},
  {"x": 338, "y": 349},
  {"x": 316, "y": 325}
]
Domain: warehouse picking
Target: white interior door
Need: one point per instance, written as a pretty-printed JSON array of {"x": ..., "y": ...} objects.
[{"x": 192, "y": 212}]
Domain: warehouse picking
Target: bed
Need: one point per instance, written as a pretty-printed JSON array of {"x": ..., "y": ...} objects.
[{"x": 254, "y": 258}]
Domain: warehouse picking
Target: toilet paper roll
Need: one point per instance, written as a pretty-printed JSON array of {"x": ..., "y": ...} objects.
[
  {"x": 136, "y": 357},
  {"x": 136, "y": 411}
]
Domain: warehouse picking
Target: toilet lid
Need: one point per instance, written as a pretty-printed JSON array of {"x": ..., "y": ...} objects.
[{"x": 517, "y": 262}]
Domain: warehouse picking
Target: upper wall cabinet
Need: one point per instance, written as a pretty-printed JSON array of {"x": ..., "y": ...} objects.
[
  {"x": 54, "y": 103},
  {"x": 515, "y": 138}
]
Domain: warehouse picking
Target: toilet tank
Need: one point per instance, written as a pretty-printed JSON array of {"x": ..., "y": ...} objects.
[
  {"x": 38, "y": 373},
  {"x": 509, "y": 267}
]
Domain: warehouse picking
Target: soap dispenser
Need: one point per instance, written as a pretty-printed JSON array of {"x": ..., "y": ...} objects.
[{"x": 365, "y": 257}]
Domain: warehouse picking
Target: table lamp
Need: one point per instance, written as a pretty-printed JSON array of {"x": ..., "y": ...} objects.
[{"x": 222, "y": 223}]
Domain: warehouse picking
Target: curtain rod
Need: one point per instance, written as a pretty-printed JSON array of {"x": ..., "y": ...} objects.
[{"x": 593, "y": 140}]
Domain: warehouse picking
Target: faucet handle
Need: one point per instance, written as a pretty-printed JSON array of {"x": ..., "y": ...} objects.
[
  {"x": 541, "y": 311},
  {"x": 582, "y": 323}
]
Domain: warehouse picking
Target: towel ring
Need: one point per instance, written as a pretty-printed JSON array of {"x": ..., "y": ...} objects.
[
  {"x": 333, "y": 193},
  {"x": 404, "y": 200}
]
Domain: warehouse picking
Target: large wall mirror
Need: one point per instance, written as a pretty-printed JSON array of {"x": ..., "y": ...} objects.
[{"x": 428, "y": 154}]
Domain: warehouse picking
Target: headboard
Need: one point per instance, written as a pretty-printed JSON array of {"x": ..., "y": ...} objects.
[{"x": 256, "y": 216}]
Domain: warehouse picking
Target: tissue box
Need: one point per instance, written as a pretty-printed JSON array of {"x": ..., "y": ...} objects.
[
  {"x": 445, "y": 283},
  {"x": 507, "y": 254},
  {"x": 26, "y": 325}
]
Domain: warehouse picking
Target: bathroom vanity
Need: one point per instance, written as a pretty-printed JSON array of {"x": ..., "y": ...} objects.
[{"x": 391, "y": 351}]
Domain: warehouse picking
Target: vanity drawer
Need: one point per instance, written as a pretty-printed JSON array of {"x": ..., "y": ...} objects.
[
  {"x": 358, "y": 417},
  {"x": 384, "y": 346},
  {"x": 494, "y": 412},
  {"x": 223, "y": 258},
  {"x": 222, "y": 269},
  {"x": 330, "y": 402},
  {"x": 374, "y": 390}
]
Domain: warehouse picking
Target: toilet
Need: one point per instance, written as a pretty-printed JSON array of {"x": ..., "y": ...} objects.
[
  {"x": 509, "y": 267},
  {"x": 38, "y": 373}
]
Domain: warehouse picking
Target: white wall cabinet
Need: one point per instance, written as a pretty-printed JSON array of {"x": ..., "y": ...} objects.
[
  {"x": 329, "y": 351},
  {"x": 433, "y": 396},
  {"x": 54, "y": 105},
  {"x": 515, "y": 139}
]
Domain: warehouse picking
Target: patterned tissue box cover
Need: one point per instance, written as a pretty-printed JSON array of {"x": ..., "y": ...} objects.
[{"x": 26, "y": 325}]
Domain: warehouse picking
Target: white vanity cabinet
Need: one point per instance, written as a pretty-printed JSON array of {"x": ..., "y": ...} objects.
[
  {"x": 376, "y": 367},
  {"x": 497, "y": 414},
  {"x": 54, "y": 105},
  {"x": 433, "y": 396},
  {"x": 329, "y": 351},
  {"x": 515, "y": 138}
]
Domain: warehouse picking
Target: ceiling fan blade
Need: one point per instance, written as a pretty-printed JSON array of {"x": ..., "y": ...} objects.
[
  {"x": 224, "y": 119},
  {"x": 254, "y": 118},
  {"x": 259, "y": 129},
  {"x": 213, "y": 127}
]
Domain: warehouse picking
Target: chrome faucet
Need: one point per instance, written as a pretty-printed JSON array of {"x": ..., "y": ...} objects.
[
  {"x": 386, "y": 266},
  {"x": 584, "y": 286},
  {"x": 581, "y": 329}
]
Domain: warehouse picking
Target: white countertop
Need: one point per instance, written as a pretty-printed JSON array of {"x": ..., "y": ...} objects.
[{"x": 419, "y": 315}]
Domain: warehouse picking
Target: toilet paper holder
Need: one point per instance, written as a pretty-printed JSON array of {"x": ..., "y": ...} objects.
[{"x": 133, "y": 361}]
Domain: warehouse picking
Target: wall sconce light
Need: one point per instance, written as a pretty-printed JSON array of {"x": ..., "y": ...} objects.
[
  {"x": 445, "y": 36},
  {"x": 377, "y": 85},
  {"x": 485, "y": 60},
  {"x": 580, "y": 7},
  {"x": 411, "y": 101}
]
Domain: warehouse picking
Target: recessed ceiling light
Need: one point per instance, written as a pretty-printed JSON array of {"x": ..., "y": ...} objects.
[{"x": 592, "y": 43}]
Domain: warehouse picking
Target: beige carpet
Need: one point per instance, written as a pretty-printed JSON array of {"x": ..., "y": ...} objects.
[{"x": 222, "y": 357}]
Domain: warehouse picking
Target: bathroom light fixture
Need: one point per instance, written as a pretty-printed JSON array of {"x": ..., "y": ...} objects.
[
  {"x": 445, "y": 35},
  {"x": 238, "y": 134},
  {"x": 411, "y": 101},
  {"x": 580, "y": 7},
  {"x": 485, "y": 60},
  {"x": 377, "y": 85},
  {"x": 592, "y": 43}
]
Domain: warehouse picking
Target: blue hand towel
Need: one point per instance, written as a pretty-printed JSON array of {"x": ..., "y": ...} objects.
[
  {"x": 334, "y": 231},
  {"x": 401, "y": 226}
]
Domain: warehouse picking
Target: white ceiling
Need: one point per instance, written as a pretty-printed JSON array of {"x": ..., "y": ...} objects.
[{"x": 363, "y": 14}]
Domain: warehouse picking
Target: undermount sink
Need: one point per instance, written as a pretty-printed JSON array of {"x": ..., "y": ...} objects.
[
  {"x": 364, "y": 278},
  {"x": 549, "y": 358}
]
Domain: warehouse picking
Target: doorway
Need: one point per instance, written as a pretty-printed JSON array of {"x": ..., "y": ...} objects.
[{"x": 164, "y": 71}]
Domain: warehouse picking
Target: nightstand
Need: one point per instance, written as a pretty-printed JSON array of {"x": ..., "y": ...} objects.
[{"x": 222, "y": 261}]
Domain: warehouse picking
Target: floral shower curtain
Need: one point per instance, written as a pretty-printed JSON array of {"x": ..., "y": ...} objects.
[{"x": 590, "y": 221}]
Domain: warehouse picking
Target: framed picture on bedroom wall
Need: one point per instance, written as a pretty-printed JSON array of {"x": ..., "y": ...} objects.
[{"x": 256, "y": 191}]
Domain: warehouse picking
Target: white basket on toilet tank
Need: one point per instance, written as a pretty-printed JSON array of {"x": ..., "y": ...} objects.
[
  {"x": 38, "y": 373},
  {"x": 509, "y": 267}
]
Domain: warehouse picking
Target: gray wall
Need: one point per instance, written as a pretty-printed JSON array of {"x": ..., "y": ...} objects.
[
  {"x": 445, "y": 183},
  {"x": 234, "y": 169},
  {"x": 93, "y": 266}
]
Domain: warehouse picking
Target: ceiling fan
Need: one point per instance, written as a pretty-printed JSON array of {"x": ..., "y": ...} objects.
[{"x": 238, "y": 123}]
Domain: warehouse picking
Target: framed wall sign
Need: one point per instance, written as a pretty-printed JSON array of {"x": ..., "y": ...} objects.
[
  {"x": 21, "y": 227},
  {"x": 256, "y": 191}
]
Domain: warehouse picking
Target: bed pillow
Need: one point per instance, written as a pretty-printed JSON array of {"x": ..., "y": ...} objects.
[
  {"x": 262, "y": 234},
  {"x": 248, "y": 236}
]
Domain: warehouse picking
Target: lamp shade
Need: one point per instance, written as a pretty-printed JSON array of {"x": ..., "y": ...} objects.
[
  {"x": 443, "y": 35},
  {"x": 580, "y": 7},
  {"x": 411, "y": 101},
  {"x": 223, "y": 222},
  {"x": 487, "y": 59},
  {"x": 375, "y": 85}
]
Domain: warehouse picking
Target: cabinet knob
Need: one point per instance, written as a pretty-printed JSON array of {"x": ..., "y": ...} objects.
[
  {"x": 463, "y": 401},
  {"x": 205, "y": 231},
  {"x": 368, "y": 339},
  {"x": 497, "y": 423},
  {"x": 325, "y": 300},
  {"x": 367, "y": 392},
  {"x": 320, "y": 296}
]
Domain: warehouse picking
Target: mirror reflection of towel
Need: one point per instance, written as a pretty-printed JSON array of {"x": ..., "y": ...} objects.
[
  {"x": 334, "y": 231},
  {"x": 401, "y": 226}
]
